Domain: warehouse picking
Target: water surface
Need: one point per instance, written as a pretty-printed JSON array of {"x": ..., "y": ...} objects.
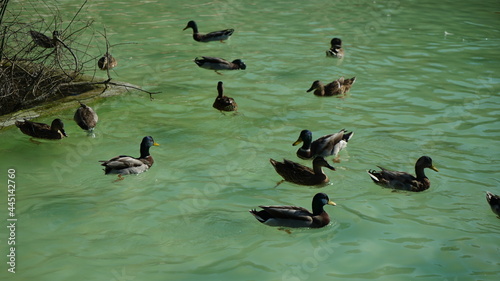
[{"x": 427, "y": 84}]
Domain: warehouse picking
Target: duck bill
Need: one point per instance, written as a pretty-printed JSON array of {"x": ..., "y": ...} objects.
[
  {"x": 310, "y": 89},
  {"x": 331, "y": 203},
  {"x": 297, "y": 142},
  {"x": 63, "y": 132},
  {"x": 434, "y": 168},
  {"x": 156, "y": 144},
  {"x": 187, "y": 26}
]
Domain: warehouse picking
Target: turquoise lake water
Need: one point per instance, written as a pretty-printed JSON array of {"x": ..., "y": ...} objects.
[{"x": 427, "y": 84}]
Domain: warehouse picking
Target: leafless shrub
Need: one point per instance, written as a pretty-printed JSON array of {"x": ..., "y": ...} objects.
[{"x": 43, "y": 56}]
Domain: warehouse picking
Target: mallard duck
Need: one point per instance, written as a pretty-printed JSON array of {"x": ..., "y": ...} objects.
[
  {"x": 126, "y": 165},
  {"x": 292, "y": 216},
  {"x": 338, "y": 87},
  {"x": 216, "y": 64},
  {"x": 336, "y": 50},
  {"x": 43, "y": 131},
  {"x": 222, "y": 102},
  {"x": 299, "y": 174},
  {"x": 220, "y": 35},
  {"x": 325, "y": 146},
  {"x": 107, "y": 62},
  {"x": 494, "y": 201},
  {"x": 86, "y": 118},
  {"x": 403, "y": 180},
  {"x": 43, "y": 40}
]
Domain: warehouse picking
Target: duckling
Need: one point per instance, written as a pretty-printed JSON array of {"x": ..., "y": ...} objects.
[
  {"x": 403, "y": 180},
  {"x": 216, "y": 64},
  {"x": 336, "y": 50},
  {"x": 299, "y": 174},
  {"x": 324, "y": 146},
  {"x": 220, "y": 35},
  {"x": 292, "y": 216},
  {"x": 494, "y": 201},
  {"x": 222, "y": 102},
  {"x": 107, "y": 62},
  {"x": 126, "y": 165},
  {"x": 86, "y": 118},
  {"x": 43, "y": 131},
  {"x": 338, "y": 87}
]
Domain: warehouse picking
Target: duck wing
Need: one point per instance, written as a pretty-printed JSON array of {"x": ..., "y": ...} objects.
[
  {"x": 288, "y": 212},
  {"x": 122, "y": 162},
  {"x": 329, "y": 144},
  {"x": 215, "y": 60},
  {"x": 394, "y": 179},
  {"x": 285, "y": 216},
  {"x": 213, "y": 63},
  {"x": 217, "y": 35},
  {"x": 37, "y": 130},
  {"x": 300, "y": 174},
  {"x": 85, "y": 117}
]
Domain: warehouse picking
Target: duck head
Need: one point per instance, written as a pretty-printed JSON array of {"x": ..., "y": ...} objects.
[
  {"x": 58, "y": 125},
  {"x": 240, "y": 64},
  {"x": 191, "y": 24},
  {"x": 305, "y": 136},
  {"x": 426, "y": 162},
  {"x": 315, "y": 85}
]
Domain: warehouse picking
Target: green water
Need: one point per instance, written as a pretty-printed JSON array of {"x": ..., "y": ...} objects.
[{"x": 418, "y": 92}]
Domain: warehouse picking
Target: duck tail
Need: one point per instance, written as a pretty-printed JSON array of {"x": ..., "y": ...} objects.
[
  {"x": 492, "y": 197},
  {"x": 373, "y": 176},
  {"x": 347, "y": 136},
  {"x": 198, "y": 61},
  {"x": 255, "y": 213}
]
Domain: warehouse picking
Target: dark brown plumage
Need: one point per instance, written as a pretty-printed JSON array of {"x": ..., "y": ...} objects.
[
  {"x": 338, "y": 87},
  {"x": 86, "y": 118},
  {"x": 43, "y": 131},
  {"x": 43, "y": 40},
  {"x": 222, "y": 102},
  {"x": 107, "y": 61},
  {"x": 299, "y": 174}
]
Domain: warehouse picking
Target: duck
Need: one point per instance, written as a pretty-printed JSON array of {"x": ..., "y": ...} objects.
[
  {"x": 324, "y": 146},
  {"x": 299, "y": 174},
  {"x": 338, "y": 87},
  {"x": 295, "y": 217},
  {"x": 220, "y": 35},
  {"x": 216, "y": 64},
  {"x": 106, "y": 62},
  {"x": 86, "y": 118},
  {"x": 494, "y": 201},
  {"x": 126, "y": 165},
  {"x": 43, "y": 131},
  {"x": 402, "y": 180},
  {"x": 222, "y": 102},
  {"x": 335, "y": 50},
  {"x": 43, "y": 40}
]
